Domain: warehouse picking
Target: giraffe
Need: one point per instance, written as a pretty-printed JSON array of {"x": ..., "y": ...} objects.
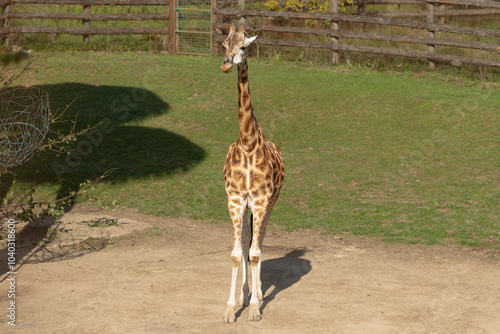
[{"x": 253, "y": 175}]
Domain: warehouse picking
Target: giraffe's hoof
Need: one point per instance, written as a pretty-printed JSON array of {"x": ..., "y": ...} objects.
[
  {"x": 254, "y": 314},
  {"x": 255, "y": 317},
  {"x": 229, "y": 318}
]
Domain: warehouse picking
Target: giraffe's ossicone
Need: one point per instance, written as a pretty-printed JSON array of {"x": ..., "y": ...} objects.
[{"x": 253, "y": 175}]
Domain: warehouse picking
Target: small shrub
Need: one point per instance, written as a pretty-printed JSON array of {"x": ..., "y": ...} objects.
[{"x": 304, "y": 6}]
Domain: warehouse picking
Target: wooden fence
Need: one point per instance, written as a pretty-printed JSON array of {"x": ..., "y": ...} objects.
[
  {"x": 86, "y": 17},
  {"x": 426, "y": 28},
  {"x": 336, "y": 34}
]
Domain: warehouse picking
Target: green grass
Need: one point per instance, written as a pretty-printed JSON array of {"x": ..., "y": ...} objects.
[{"x": 405, "y": 157}]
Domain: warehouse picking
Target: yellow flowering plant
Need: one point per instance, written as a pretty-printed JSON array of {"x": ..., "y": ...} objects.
[{"x": 311, "y": 6}]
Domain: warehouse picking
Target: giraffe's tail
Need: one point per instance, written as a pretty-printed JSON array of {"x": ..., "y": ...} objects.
[{"x": 251, "y": 234}]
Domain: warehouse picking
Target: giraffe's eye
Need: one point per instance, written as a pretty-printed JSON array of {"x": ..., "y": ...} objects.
[{"x": 243, "y": 48}]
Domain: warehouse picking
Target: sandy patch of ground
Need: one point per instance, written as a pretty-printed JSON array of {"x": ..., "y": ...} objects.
[{"x": 123, "y": 272}]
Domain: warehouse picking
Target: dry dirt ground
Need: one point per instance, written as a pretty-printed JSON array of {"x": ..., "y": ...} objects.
[{"x": 143, "y": 274}]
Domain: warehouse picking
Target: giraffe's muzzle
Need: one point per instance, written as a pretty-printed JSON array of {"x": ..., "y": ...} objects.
[{"x": 227, "y": 65}]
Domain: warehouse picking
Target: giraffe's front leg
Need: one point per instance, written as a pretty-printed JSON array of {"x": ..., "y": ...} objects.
[
  {"x": 229, "y": 315},
  {"x": 236, "y": 258}
]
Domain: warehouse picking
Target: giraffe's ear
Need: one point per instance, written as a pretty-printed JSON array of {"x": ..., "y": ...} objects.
[
  {"x": 249, "y": 40},
  {"x": 232, "y": 28}
]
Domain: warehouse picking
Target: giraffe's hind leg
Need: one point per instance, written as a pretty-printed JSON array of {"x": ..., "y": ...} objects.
[
  {"x": 245, "y": 243},
  {"x": 255, "y": 253},
  {"x": 272, "y": 201}
]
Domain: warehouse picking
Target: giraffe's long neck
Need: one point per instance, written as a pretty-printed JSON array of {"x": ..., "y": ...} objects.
[{"x": 249, "y": 127}]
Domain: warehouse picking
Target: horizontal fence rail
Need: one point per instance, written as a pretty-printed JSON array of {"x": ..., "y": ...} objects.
[
  {"x": 338, "y": 35},
  {"x": 87, "y": 2},
  {"x": 83, "y": 16},
  {"x": 89, "y": 30}
]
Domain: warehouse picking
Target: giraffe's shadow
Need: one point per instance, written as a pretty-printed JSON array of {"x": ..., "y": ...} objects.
[{"x": 281, "y": 273}]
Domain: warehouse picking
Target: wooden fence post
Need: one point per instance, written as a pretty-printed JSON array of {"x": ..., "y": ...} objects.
[
  {"x": 171, "y": 33},
  {"x": 215, "y": 45},
  {"x": 441, "y": 9},
  {"x": 361, "y": 7},
  {"x": 498, "y": 49},
  {"x": 362, "y": 11},
  {"x": 430, "y": 32},
  {"x": 86, "y": 22},
  {"x": 165, "y": 39},
  {"x": 334, "y": 28},
  {"x": 6, "y": 22},
  {"x": 241, "y": 7},
  {"x": 175, "y": 20}
]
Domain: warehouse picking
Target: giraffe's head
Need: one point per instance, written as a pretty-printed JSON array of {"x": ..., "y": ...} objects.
[{"x": 235, "y": 44}]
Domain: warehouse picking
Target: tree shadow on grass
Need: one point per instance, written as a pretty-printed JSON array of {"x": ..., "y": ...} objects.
[{"x": 117, "y": 142}]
